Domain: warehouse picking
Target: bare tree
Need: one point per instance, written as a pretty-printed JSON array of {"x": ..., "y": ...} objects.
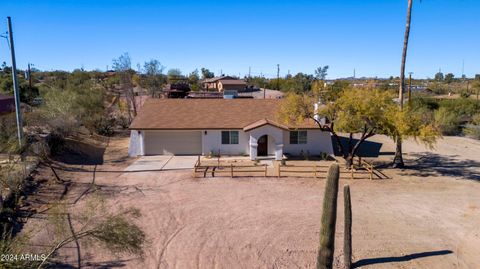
[
  {"x": 123, "y": 66},
  {"x": 153, "y": 76}
]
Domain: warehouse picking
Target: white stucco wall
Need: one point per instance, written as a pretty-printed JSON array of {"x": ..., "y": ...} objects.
[
  {"x": 136, "y": 147},
  {"x": 317, "y": 141},
  {"x": 275, "y": 141},
  {"x": 212, "y": 142}
]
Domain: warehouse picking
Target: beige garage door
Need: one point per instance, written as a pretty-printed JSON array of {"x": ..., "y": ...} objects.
[{"x": 173, "y": 142}]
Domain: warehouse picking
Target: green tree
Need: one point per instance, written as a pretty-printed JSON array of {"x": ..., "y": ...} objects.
[
  {"x": 321, "y": 72},
  {"x": 153, "y": 79},
  {"x": 206, "y": 73},
  {"x": 193, "y": 80},
  {"x": 439, "y": 76},
  {"x": 174, "y": 75},
  {"x": 449, "y": 78},
  {"x": 359, "y": 112}
]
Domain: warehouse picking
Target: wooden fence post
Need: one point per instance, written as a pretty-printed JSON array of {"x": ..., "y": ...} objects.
[
  {"x": 315, "y": 171},
  {"x": 231, "y": 170},
  {"x": 351, "y": 169},
  {"x": 278, "y": 167}
]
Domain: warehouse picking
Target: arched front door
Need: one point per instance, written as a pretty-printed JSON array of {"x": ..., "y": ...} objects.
[{"x": 262, "y": 149}]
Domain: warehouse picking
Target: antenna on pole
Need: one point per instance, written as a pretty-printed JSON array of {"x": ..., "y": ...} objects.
[
  {"x": 18, "y": 112},
  {"x": 278, "y": 77}
]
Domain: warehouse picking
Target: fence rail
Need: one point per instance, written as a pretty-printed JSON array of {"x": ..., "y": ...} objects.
[{"x": 315, "y": 171}]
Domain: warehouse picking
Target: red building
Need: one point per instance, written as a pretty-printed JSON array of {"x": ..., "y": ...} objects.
[{"x": 7, "y": 103}]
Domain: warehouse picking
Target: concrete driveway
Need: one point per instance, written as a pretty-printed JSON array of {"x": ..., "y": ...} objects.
[{"x": 162, "y": 162}]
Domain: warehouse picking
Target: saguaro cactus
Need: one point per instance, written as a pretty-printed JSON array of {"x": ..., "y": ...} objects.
[
  {"x": 329, "y": 219},
  {"x": 347, "y": 240}
]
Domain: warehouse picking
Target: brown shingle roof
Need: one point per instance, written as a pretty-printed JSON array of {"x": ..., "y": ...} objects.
[
  {"x": 194, "y": 114},
  {"x": 209, "y": 80}
]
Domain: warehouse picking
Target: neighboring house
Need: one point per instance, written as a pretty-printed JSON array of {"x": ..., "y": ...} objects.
[
  {"x": 7, "y": 103},
  {"x": 176, "y": 90},
  {"x": 223, "y": 83},
  {"x": 226, "y": 126}
]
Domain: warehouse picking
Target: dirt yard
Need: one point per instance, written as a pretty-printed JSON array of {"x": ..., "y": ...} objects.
[{"x": 426, "y": 216}]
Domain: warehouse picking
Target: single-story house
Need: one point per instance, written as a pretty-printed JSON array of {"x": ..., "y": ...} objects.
[
  {"x": 223, "y": 83},
  {"x": 7, "y": 103},
  {"x": 226, "y": 126}
]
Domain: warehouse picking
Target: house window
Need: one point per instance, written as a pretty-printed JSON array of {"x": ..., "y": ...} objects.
[
  {"x": 298, "y": 137},
  {"x": 229, "y": 137}
]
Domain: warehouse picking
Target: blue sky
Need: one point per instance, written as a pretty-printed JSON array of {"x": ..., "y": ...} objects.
[{"x": 233, "y": 35}]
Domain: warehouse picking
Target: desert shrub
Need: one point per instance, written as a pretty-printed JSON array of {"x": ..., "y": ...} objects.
[
  {"x": 464, "y": 94},
  {"x": 104, "y": 126},
  {"x": 16, "y": 246},
  {"x": 476, "y": 119},
  {"x": 122, "y": 121},
  {"x": 65, "y": 110},
  {"x": 448, "y": 121},
  {"x": 422, "y": 102},
  {"x": 324, "y": 156},
  {"x": 462, "y": 106},
  {"x": 8, "y": 134},
  {"x": 472, "y": 131},
  {"x": 61, "y": 111}
]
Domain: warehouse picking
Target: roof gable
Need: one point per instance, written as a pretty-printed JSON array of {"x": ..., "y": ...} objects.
[{"x": 264, "y": 122}]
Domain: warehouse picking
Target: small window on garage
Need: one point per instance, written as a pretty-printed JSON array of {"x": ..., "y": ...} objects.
[
  {"x": 229, "y": 137},
  {"x": 298, "y": 137}
]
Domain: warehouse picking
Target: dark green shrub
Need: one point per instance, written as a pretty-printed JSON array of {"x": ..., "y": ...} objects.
[
  {"x": 472, "y": 131},
  {"x": 104, "y": 126},
  {"x": 448, "y": 121}
]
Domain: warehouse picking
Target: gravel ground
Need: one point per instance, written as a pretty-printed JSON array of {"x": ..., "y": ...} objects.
[{"x": 424, "y": 217}]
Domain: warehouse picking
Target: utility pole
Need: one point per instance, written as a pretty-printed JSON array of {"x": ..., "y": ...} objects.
[
  {"x": 409, "y": 87},
  {"x": 354, "y": 73},
  {"x": 249, "y": 71},
  {"x": 18, "y": 112},
  {"x": 278, "y": 77}
]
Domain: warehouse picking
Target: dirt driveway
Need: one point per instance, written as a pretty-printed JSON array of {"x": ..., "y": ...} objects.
[{"x": 411, "y": 221}]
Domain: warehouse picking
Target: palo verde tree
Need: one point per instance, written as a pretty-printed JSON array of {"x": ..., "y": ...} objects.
[{"x": 363, "y": 112}]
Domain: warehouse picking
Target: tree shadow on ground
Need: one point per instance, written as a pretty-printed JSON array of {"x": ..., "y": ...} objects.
[
  {"x": 80, "y": 153},
  {"x": 404, "y": 258},
  {"x": 98, "y": 265},
  {"x": 431, "y": 164},
  {"x": 368, "y": 149}
]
